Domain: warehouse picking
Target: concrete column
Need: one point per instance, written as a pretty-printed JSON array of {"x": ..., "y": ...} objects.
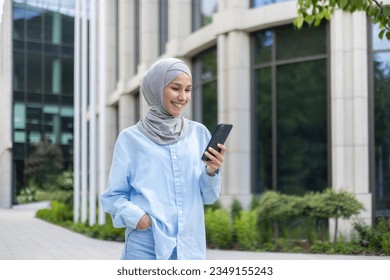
[
  {"x": 149, "y": 32},
  {"x": 102, "y": 182},
  {"x": 179, "y": 25},
  {"x": 6, "y": 105},
  {"x": 149, "y": 41},
  {"x": 84, "y": 94},
  {"x": 234, "y": 107},
  {"x": 93, "y": 136},
  {"x": 126, "y": 112},
  {"x": 126, "y": 39},
  {"x": 126, "y": 62},
  {"x": 349, "y": 101},
  {"x": 111, "y": 47}
]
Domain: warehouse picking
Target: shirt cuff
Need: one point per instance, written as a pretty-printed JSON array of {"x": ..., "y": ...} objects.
[{"x": 130, "y": 215}]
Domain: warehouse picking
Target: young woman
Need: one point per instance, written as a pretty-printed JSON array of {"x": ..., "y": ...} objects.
[{"x": 158, "y": 183}]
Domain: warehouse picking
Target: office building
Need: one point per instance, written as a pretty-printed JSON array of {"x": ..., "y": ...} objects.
[
  {"x": 309, "y": 107},
  {"x": 37, "y": 39}
]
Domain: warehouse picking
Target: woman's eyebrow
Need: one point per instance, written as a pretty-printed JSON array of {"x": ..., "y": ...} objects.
[{"x": 178, "y": 84}]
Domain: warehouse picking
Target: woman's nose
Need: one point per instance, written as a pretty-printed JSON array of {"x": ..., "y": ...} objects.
[{"x": 182, "y": 95}]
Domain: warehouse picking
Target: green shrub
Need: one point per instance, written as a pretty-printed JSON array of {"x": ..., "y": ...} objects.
[
  {"x": 62, "y": 214},
  {"x": 255, "y": 202},
  {"x": 219, "y": 228},
  {"x": 27, "y": 195},
  {"x": 236, "y": 209},
  {"x": 216, "y": 205},
  {"x": 297, "y": 249},
  {"x": 246, "y": 230},
  {"x": 321, "y": 247},
  {"x": 268, "y": 247},
  {"x": 385, "y": 243},
  {"x": 104, "y": 232},
  {"x": 332, "y": 204},
  {"x": 108, "y": 232},
  {"x": 58, "y": 213},
  {"x": 374, "y": 238},
  {"x": 347, "y": 248},
  {"x": 275, "y": 208}
]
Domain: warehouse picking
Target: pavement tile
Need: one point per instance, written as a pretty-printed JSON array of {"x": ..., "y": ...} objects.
[{"x": 24, "y": 237}]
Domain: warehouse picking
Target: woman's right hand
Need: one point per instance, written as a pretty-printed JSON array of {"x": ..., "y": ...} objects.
[{"x": 144, "y": 223}]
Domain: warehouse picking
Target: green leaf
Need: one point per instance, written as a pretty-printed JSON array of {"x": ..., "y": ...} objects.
[
  {"x": 372, "y": 11},
  {"x": 386, "y": 11},
  {"x": 318, "y": 21},
  {"x": 359, "y": 4},
  {"x": 298, "y": 22},
  {"x": 388, "y": 35},
  {"x": 328, "y": 14},
  {"x": 343, "y": 4},
  {"x": 309, "y": 19},
  {"x": 381, "y": 34}
]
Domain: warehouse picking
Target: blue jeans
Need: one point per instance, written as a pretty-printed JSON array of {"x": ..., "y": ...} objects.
[{"x": 139, "y": 245}]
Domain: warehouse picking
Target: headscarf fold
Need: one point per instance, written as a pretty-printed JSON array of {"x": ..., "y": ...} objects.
[{"x": 158, "y": 125}]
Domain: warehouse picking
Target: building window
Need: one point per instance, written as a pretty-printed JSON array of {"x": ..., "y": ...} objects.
[
  {"x": 381, "y": 89},
  {"x": 261, "y": 3},
  {"x": 163, "y": 25},
  {"x": 137, "y": 105},
  {"x": 290, "y": 115},
  {"x": 42, "y": 80},
  {"x": 204, "y": 91},
  {"x": 202, "y": 12}
]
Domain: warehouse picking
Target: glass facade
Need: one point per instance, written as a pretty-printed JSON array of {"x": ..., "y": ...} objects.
[
  {"x": 261, "y": 3},
  {"x": 202, "y": 12},
  {"x": 204, "y": 92},
  {"x": 163, "y": 25},
  {"x": 42, "y": 80},
  {"x": 137, "y": 26},
  {"x": 381, "y": 88},
  {"x": 290, "y": 112}
]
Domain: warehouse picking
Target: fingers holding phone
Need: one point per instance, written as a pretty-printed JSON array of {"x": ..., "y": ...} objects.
[{"x": 215, "y": 158}]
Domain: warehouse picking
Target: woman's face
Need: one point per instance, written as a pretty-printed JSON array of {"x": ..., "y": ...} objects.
[{"x": 177, "y": 94}]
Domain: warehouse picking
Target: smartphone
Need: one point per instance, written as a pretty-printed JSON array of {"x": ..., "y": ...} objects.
[{"x": 219, "y": 136}]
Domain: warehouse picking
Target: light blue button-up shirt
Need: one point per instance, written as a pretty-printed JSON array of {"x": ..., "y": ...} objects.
[{"x": 169, "y": 183}]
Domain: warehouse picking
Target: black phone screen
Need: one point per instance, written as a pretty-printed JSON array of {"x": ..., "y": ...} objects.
[{"x": 219, "y": 136}]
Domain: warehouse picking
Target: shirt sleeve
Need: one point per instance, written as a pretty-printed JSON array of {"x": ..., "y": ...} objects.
[
  {"x": 210, "y": 186},
  {"x": 116, "y": 199}
]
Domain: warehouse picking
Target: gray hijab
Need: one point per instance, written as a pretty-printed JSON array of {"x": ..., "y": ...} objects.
[{"x": 158, "y": 125}]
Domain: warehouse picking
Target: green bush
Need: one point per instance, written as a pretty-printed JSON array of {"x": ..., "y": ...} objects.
[
  {"x": 246, "y": 230},
  {"x": 376, "y": 239},
  {"x": 385, "y": 243},
  {"x": 219, "y": 228},
  {"x": 236, "y": 209},
  {"x": 216, "y": 205},
  {"x": 27, "y": 195},
  {"x": 103, "y": 232},
  {"x": 332, "y": 204},
  {"x": 255, "y": 202},
  {"x": 59, "y": 213},
  {"x": 62, "y": 214},
  {"x": 274, "y": 209},
  {"x": 58, "y": 188},
  {"x": 63, "y": 196},
  {"x": 321, "y": 247}
]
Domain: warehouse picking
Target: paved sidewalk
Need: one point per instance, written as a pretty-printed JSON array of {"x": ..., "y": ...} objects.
[{"x": 23, "y": 237}]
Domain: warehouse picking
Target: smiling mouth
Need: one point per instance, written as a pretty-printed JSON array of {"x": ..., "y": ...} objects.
[{"x": 178, "y": 105}]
